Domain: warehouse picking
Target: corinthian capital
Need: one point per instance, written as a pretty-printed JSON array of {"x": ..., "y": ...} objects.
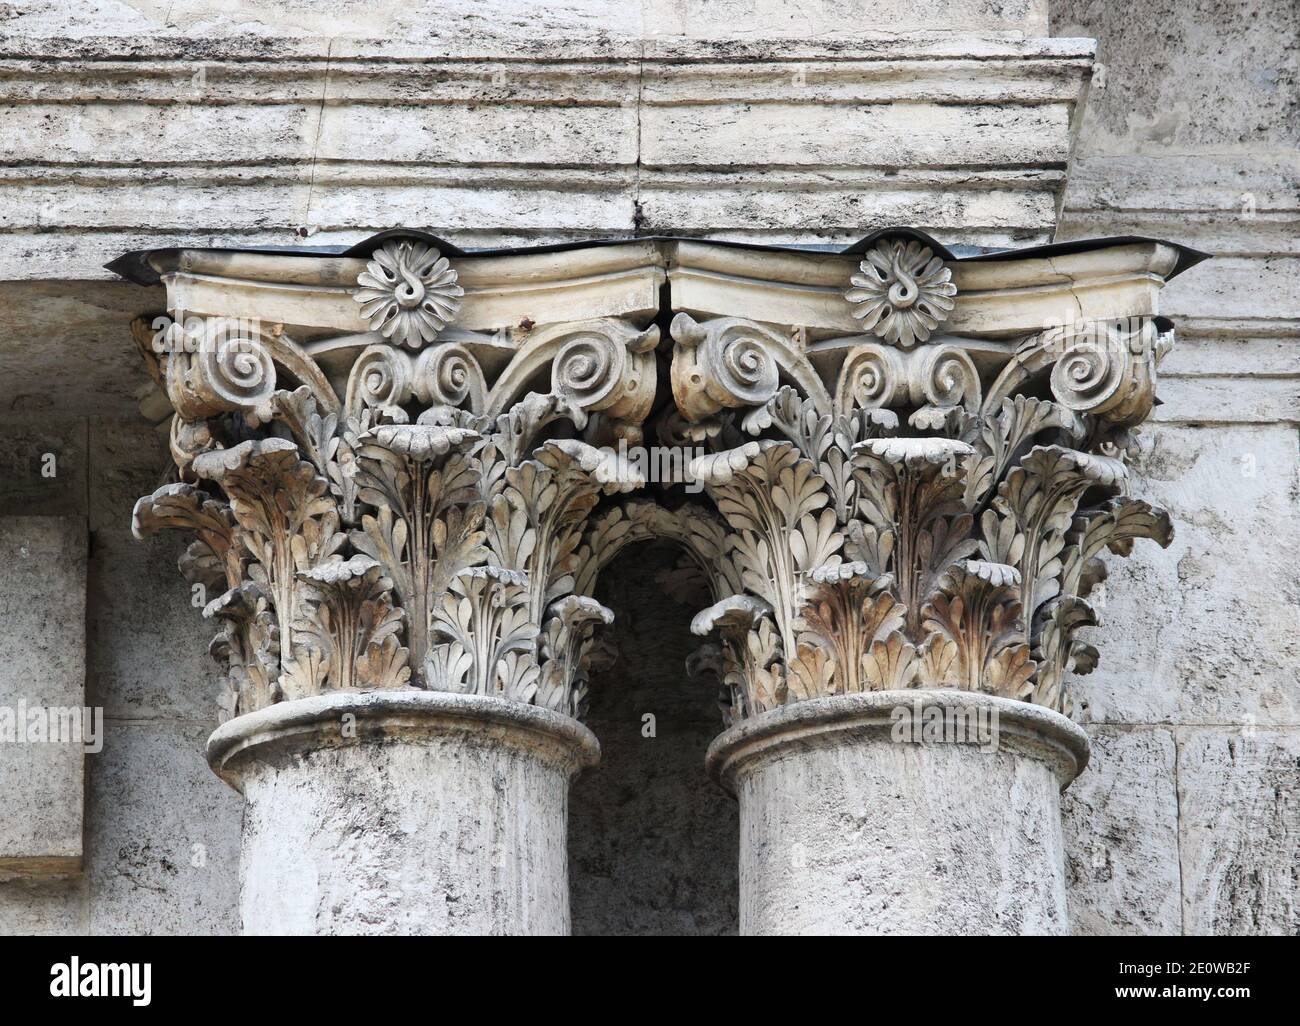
[
  {"x": 400, "y": 466},
  {"x": 910, "y": 508},
  {"x": 388, "y": 472}
]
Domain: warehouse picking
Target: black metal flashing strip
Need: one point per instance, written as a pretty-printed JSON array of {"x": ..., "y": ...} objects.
[{"x": 135, "y": 266}]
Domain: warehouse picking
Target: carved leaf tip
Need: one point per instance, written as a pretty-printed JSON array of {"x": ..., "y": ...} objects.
[
  {"x": 419, "y": 441},
  {"x": 740, "y": 611},
  {"x": 915, "y": 451},
  {"x": 720, "y": 467},
  {"x": 605, "y": 466}
]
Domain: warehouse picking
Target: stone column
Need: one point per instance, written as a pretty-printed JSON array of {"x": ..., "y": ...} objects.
[
  {"x": 407, "y": 812},
  {"x": 917, "y": 516},
  {"x": 390, "y": 547},
  {"x": 901, "y": 812},
  {"x": 913, "y": 464}
]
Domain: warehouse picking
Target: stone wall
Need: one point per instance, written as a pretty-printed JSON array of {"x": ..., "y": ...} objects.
[
  {"x": 161, "y": 836},
  {"x": 652, "y": 840},
  {"x": 1186, "y": 820}
]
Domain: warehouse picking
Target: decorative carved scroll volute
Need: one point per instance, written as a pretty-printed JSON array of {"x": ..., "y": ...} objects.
[
  {"x": 897, "y": 517},
  {"x": 420, "y": 526}
]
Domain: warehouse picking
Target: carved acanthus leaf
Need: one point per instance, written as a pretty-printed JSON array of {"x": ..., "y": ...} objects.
[
  {"x": 1034, "y": 508},
  {"x": 425, "y": 530},
  {"x": 347, "y": 636},
  {"x": 890, "y": 476},
  {"x": 975, "y": 615},
  {"x": 565, "y": 652},
  {"x": 443, "y": 523},
  {"x": 285, "y": 517},
  {"x": 214, "y": 559},
  {"x": 479, "y": 621}
]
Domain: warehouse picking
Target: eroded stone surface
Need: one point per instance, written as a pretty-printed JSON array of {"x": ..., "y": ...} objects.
[
  {"x": 1239, "y": 802},
  {"x": 1121, "y": 836},
  {"x": 1151, "y": 161},
  {"x": 43, "y": 718},
  {"x": 53, "y": 331},
  {"x": 427, "y": 827},
  {"x": 1189, "y": 132},
  {"x": 870, "y": 836},
  {"x": 44, "y": 907},
  {"x": 1203, "y": 632},
  {"x": 163, "y": 840},
  {"x": 42, "y": 465},
  {"x": 530, "y": 20},
  {"x": 161, "y": 833},
  {"x": 1210, "y": 73}
]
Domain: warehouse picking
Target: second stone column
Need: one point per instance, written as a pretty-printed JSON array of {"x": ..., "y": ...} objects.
[{"x": 901, "y": 812}]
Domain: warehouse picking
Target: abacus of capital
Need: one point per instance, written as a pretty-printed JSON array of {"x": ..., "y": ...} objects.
[{"x": 401, "y": 467}]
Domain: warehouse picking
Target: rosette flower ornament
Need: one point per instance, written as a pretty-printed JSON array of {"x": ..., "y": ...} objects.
[
  {"x": 902, "y": 293},
  {"x": 408, "y": 292}
]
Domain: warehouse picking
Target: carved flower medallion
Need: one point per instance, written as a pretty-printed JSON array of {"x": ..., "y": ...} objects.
[
  {"x": 902, "y": 293},
  {"x": 408, "y": 292}
]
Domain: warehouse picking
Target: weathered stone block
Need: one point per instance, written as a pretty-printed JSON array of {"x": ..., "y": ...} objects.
[
  {"x": 528, "y": 22},
  {"x": 163, "y": 837},
  {"x": 44, "y": 906},
  {"x": 1121, "y": 836},
  {"x": 1239, "y": 795},
  {"x": 42, "y": 462},
  {"x": 812, "y": 135},
  {"x": 1204, "y": 631},
  {"x": 1214, "y": 75},
  {"x": 42, "y": 694}
]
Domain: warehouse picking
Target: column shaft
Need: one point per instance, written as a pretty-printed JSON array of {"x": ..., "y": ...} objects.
[
  {"x": 403, "y": 813},
  {"x": 852, "y": 823}
]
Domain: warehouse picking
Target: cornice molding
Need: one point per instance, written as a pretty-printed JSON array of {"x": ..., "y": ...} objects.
[
  {"x": 117, "y": 142},
  {"x": 574, "y": 46}
]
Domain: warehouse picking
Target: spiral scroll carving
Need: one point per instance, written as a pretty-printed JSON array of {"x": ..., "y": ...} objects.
[
  {"x": 1090, "y": 375},
  {"x": 381, "y": 377},
  {"x": 238, "y": 372},
  {"x": 399, "y": 539},
  {"x": 945, "y": 376},
  {"x": 589, "y": 369},
  {"x": 873, "y": 377},
  {"x": 723, "y": 363},
  {"x": 746, "y": 370},
  {"x": 875, "y": 525},
  {"x": 448, "y": 375}
]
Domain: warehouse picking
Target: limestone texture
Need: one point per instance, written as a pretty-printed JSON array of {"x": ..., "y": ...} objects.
[
  {"x": 409, "y": 813},
  {"x": 846, "y": 829},
  {"x": 43, "y": 705},
  {"x": 137, "y": 124}
]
